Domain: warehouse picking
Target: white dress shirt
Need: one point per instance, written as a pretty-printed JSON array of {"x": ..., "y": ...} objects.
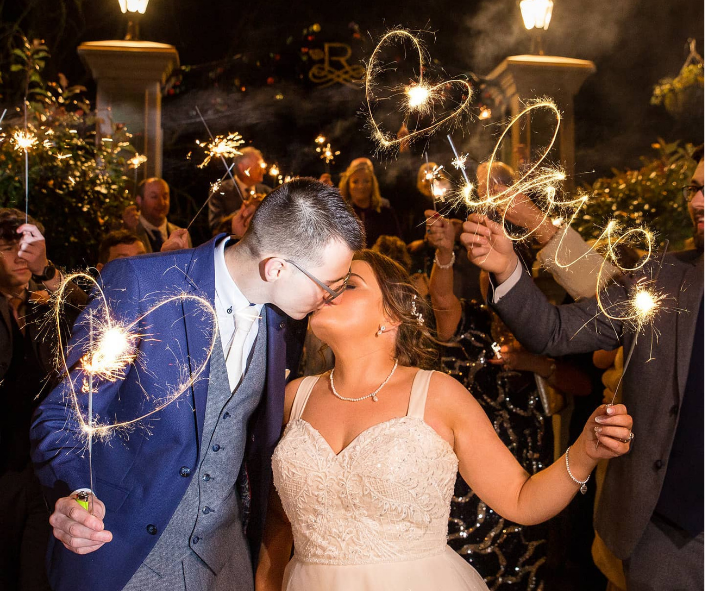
[{"x": 228, "y": 300}]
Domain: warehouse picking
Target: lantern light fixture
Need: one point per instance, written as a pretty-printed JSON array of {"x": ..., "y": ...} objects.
[
  {"x": 134, "y": 9},
  {"x": 536, "y": 13},
  {"x": 133, "y": 6}
]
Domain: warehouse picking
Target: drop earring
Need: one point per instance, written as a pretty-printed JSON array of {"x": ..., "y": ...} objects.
[{"x": 381, "y": 330}]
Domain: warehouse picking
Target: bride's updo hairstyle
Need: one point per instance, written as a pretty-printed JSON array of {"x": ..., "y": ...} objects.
[{"x": 414, "y": 346}]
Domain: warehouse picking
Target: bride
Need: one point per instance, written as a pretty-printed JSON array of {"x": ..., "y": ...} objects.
[{"x": 366, "y": 465}]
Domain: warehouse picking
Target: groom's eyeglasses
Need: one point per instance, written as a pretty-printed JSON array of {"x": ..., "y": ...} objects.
[{"x": 332, "y": 292}]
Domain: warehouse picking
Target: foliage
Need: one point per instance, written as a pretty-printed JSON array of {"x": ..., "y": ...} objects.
[
  {"x": 649, "y": 196},
  {"x": 77, "y": 183},
  {"x": 682, "y": 94}
]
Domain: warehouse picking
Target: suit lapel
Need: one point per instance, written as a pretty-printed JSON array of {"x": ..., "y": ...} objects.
[
  {"x": 200, "y": 281},
  {"x": 689, "y": 296},
  {"x": 276, "y": 369}
]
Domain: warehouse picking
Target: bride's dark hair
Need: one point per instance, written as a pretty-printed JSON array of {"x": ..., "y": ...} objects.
[{"x": 414, "y": 346}]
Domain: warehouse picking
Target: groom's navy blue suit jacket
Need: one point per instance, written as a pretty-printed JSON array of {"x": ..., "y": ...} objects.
[{"x": 143, "y": 470}]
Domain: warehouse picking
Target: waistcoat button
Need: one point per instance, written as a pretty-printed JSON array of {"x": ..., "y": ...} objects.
[
  {"x": 185, "y": 471},
  {"x": 216, "y": 447},
  {"x": 658, "y": 464},
  {"x": 152, "y": 530}
]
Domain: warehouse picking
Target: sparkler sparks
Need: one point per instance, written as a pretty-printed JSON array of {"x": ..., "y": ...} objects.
[
  {"x": 421, "y": 98},
  {"x": 112, "y": 348},
  {"x": 222, "y": 146},
  {"x": 327, "y": 153},
  {"x": 459, "y": 162},
  {"x": 137, "y": 160},
  {"x": 24, "y": 140}
]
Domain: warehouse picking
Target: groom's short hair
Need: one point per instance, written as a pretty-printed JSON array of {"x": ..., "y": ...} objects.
[{"x": 299, "y": 219}]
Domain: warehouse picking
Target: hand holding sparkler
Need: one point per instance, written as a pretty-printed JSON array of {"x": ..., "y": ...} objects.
[
  {"x": 440, "y": 234},
  {"x": 78, "y": 530},
  {"x": 326, "y": 179},
  {"x": 32, "y": 248},
  {"x": 488, "y": 246},
  {"x": 131, "y": 217},
  {"x": 178, "y": 240}
]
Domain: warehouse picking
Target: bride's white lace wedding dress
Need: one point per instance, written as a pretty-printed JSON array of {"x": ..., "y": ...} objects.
[{"x": 375, "y": 516}]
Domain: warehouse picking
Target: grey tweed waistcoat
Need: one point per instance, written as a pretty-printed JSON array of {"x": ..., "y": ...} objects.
[{"x": 206, "y": 530}]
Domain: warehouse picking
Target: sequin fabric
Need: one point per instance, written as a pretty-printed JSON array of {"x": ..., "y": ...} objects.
[
  {"x": 509, "y": 556},
  {"x": 384, "y": 498}
]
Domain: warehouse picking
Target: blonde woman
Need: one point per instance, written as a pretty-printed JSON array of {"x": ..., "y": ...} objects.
[{"x": 360, "y": 187}]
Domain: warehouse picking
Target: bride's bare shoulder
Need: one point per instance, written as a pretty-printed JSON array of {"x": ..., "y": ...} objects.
[{"x": 448, "y": 398}]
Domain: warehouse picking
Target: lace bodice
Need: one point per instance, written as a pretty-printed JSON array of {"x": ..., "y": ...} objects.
[{"x": 385, "y": 497}]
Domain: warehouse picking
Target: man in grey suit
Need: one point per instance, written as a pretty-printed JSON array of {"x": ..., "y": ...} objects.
[
  {"x": 651, "y": 511},
  {"x": 248, "y": 175}
]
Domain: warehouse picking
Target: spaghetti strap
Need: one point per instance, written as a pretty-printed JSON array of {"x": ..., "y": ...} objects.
[
  {"x": 301, "y": 397},
  {"x": 419, "y": 390}
]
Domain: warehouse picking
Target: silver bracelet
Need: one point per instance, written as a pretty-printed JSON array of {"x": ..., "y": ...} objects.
[
  {"x": 449, "y": 265},
  {"x": 582, "y": 483}
]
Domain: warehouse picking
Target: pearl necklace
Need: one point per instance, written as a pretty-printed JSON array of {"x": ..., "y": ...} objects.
[{"x": 373, "y": 395}]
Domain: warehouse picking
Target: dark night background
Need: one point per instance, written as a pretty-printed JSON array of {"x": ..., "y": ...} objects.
[{"x": 264, "y": 47}]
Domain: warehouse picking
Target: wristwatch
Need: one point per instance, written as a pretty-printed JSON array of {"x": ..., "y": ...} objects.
[{"x": 48, "y": 273}]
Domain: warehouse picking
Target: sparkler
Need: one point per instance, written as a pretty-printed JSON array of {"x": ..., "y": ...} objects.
[
  {"x": 645, "y": 304},
  {"x": 25, "y": 140},
  {"x": 215, "y": 187},
  {"x": 135, "y": 162},
  {"x": 222, "y": 153},
  {"x": 222, "y": 146},
  {"x": 419, "y": 97},
  {"x": 327, "y": 154},
  {"x": 112, "y": 348}
]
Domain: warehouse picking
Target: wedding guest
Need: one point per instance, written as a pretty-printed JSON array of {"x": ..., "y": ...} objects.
[
  {"x": 236, "y": 223},
  {"x": 505, "y": 383},
  {"x": 248, "y": 173},
  {"x": 660, "y": 539},
  {"x": 360, "y": 187},
  {"x": 119, "y": 244},
  {"x": 27, "y": 372},
  {"x": 369, "y": 455},
  {"x": 149, "y": 219}
]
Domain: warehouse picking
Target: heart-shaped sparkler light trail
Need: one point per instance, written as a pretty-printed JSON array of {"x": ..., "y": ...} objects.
[
  {"x": 419, "y": 97},
  {"x": 113, "y": 347},
  {"x": 543, "y": 182}
]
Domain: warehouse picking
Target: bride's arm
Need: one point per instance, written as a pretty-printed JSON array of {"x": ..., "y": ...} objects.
[
  {"x": 277, "y": 538},
  {"x": 276, "y": 547},
  {"x": 493, "y": 473}
]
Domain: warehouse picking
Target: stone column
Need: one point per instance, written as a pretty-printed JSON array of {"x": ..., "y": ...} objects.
[
  {"x": 129, "y": 75},
  {"x": 526, "y": 77}
]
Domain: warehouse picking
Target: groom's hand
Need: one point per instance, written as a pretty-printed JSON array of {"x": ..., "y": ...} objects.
[{"x": 77, "y": 529}]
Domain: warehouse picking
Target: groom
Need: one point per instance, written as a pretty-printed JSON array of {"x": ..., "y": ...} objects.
[{"x": 181, "y": 499}]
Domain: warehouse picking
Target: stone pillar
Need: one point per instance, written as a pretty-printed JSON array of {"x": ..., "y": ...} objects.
[
  {"x": 129, "y": 75},
  {"x": 526, "y": 77}
]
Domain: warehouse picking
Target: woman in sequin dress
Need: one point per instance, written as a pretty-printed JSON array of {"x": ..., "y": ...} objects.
[
  {"x": 366, "y": 466},
  {"x": 510, "y": 556}
]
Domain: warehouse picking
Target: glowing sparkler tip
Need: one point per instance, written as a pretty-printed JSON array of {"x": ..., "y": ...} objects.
[
  {"x": 137, "y": 160},
  {"x": 113, "y": 352},
  {"x": 24, "y": 140},
  {"x": 644, "y": 302},
  {"x": 418, "y": 95},
  {"x": 460, "y": 161},
  {"x": 222, "y": 147}
]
